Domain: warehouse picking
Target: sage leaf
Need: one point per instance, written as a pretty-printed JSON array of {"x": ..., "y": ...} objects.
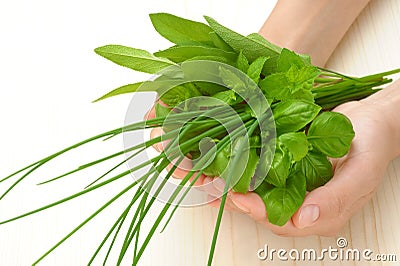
[
  {"x": 293, "y": 115},
  {"x": 179, "y": 30},
  {"x": 136, "y": 59},
  {"x": 121, "y": 90},
  {"x": 331, "y": 133},
  {"x": 219, "y": 42},
  {"x": 316, "y": 168},
  {"x": 184, "y": 52},
  {"x": 251, "y": 49}
]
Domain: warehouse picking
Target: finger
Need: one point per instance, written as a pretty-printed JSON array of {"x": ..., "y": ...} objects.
[
  {"x": 157, "y": 132},
  {"x": 326, "y": 209},
  {"x": 252, "y": 205},
  {"x": 150, "y": 114},
  {"x": 216, "y": 203}
]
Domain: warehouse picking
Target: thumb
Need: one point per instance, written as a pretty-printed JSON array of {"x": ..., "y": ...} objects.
[{"x": 326, "y": 209}]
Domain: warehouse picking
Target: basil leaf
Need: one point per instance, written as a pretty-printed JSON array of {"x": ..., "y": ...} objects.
[
  {"x": 132, "y": 58},
  {"x": 219, "y": 164},
  {"x": 255, "y": 68},
  {"x": 182, "y": 53},
  {"x": 293, "y": 115},
  {"x": 282, "y": 202},
  {"x": 296, "y": 143},
  {"x": 316, "y": 168},
  {"x": 280, "y": 167},
  {"x": 242, "y": 63},
  {"x": 162, "y": 111},
  {"x": 251, "y": 49},
  {"x": 331, "y": 133},
  {"x": 179, "y": 30},
  {"x": 121, "y": 90},
  {"x": 243, "y": 183}
]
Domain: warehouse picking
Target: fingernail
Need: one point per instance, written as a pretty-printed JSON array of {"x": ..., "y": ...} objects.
[
  {"x": 308, "y": 215},
  {"x": 219, "y": 184},
  {"x": 243, "y": 208}
]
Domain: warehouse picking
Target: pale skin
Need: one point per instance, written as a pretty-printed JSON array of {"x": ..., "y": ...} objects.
[{"x": 316, "y": 28}]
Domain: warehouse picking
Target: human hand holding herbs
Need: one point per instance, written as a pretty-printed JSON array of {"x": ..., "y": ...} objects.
[
  {"x": 326, "y": 209},
  {"x": 255, "y": 114}
]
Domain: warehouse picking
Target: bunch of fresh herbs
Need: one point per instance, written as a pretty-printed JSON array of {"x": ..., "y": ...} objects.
[{"x": 240, "y": 108}]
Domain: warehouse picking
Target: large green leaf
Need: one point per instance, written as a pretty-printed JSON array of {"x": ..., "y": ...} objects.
[
  {"x": 282, "y": 202},
  {"x": 316, "y": 168},
  {"x": 129, "y": 88},
  {"x": 179, "y": 30},
  {"x": 296, "y": 143},
  {"x": 133, "y": 58},
  {"x": 331, "y": 133},
  {"x": 293, "y": 115},
  {"x": 280, "y": 167},
  {"x": 184, "y": 52},
  {"x": 251, "y": 49}
]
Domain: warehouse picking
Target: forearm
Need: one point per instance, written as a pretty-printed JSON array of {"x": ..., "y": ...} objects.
[
  {"x": 313, "y": 27},
  {"x": 387, "y": 101}
]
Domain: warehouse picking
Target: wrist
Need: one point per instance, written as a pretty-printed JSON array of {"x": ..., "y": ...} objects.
[
  {"x": 311, "y": 27},
  {"x": 387, "y": 103}
]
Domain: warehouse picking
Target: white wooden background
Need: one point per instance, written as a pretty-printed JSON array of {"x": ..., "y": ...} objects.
[{"x": 48, "y": 77}]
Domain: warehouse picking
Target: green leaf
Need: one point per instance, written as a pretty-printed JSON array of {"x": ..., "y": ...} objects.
[
  {"x": 232, "y": 80},
  {"x": 219, "y": 42},
  {"x": 181, "y": 53},
  {"x": 229, "y": 97},
  {"x": 243, "y": 184},
  {"x": 316, "y": 168},
  {"x": 133, "y": 58},
  {"x": 255, "y": 68},
  {"x": 208, "y": 88},
  {"x": 293, "y": 115},
  {"x": 280, "y": 167},
  {"x": 287, "y": 59},
  {"x": 121, "y": 90},
  {"x": 242, "y": 63},
  {"x": 296, "y": 143},
  {"x": 275, "y": 87},
  {"x": 331, "y": 133},
  {"x": 178, "y": 94},
  {"x": 251, "y": 49},
  {"x": 282, "y": 202},
  {"x": 261, "y": 40},
  {"x": 179, "y": 30},
  {"x": 219, "y": 164},
  {"x": 301, "y": 78},
  {"x": 213, "y": 58},
  {"x": 162, "y": 111}
]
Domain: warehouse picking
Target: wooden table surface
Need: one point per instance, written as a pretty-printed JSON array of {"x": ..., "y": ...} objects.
[{"x": 371, "y": 45}]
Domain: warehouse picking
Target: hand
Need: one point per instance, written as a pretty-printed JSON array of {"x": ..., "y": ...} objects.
[{"x": 357, "y": 175}]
